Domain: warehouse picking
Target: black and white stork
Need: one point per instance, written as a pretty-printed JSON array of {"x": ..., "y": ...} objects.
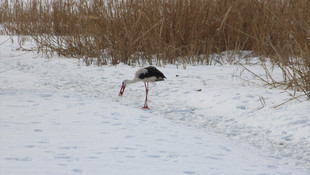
[{"x": 147, "y": 74}]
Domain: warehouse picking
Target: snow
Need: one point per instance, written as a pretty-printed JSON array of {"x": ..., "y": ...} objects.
[{"x": 58, "y": 116}]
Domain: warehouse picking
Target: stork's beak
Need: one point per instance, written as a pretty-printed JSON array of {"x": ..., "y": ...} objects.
[{"x": 121, "y": 91}]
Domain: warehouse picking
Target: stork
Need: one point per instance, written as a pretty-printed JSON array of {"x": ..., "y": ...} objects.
[{"x": 147, "y": 74}]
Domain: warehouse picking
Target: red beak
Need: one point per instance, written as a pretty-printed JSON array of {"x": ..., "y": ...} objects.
[{"x": 121, "y": 91}]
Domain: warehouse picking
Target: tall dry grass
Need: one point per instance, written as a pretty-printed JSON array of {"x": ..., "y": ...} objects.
[{"x": 131, "y": 31}]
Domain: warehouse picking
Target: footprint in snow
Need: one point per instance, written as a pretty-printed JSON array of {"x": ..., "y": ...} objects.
[
  {"x": 68, "y": 147},
  {"x": 77, "y": 171},
  {"x": 115, "y": 114},
  {"x": 225, "y": 149},
  {"x": 29, "y": 146},
  {"x": 154, "y": 156},
  {"x": 38, "y": 130},
  {"x": 189, "y": 172},
  {"x": 45, "y": 95},
  {"x": 213, "y": 158},
  {"x": 241, "y": 107}
]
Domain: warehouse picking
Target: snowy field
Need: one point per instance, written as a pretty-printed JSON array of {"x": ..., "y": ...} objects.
[{"x": 58, "y": 116}]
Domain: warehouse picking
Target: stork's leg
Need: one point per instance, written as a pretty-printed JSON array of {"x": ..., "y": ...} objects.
[{"x": 146, "y": 84}]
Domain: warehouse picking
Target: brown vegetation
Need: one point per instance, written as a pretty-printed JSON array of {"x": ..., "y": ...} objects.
[{"x": 128, "y": 31}]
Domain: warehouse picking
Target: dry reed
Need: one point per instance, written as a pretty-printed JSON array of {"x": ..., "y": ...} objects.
[{"x": 171, "y": 31}]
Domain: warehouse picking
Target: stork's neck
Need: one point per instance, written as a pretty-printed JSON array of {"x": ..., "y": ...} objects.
[{"x": 125, "y": 82}]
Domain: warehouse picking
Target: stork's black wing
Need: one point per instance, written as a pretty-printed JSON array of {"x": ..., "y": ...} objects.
[{"x": 152, "y": 72}]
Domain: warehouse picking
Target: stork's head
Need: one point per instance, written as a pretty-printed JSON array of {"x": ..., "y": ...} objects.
[{"x": 122, "y": 88}]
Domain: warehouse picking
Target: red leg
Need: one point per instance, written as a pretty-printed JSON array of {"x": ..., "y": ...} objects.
[{"x": 146, "y": 84}]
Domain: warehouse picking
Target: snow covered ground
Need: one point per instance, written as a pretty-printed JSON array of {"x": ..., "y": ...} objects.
[{"x": 58, "y": 116}]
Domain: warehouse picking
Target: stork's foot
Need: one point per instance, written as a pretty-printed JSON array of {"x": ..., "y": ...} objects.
[{"x": 145, "y": 107}]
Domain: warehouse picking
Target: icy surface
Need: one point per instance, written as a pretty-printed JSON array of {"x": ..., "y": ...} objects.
[{"x": 58, "y": 116}]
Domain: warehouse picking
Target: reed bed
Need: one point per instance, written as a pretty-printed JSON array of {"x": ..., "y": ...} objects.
[{"x": 168, "y": 31}]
